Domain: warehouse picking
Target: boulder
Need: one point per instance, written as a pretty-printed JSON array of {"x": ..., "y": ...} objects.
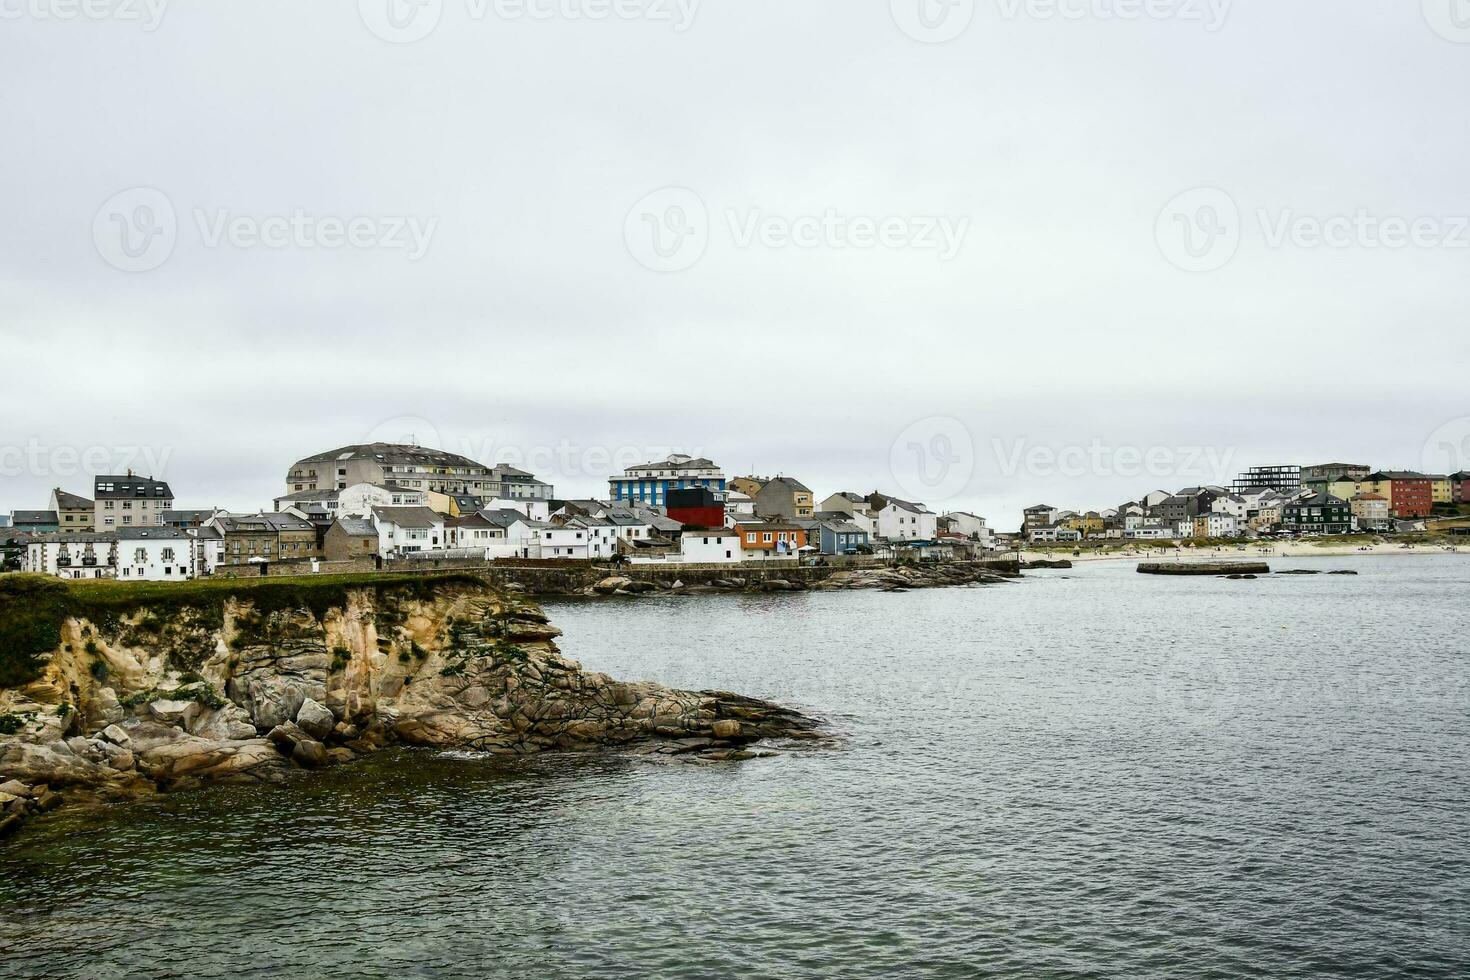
[
  {"x": 726, "y": 728},
  {"x": 116, "y": 735},
  {"x": 15, "y": 787},
  {"x": 274, "y": 700},
  {"x": 611, "y": 584},
  {"x": 315, "y": 720},
  {"x": 176, "y": 713},
  {"x": 309, "y": 754},
  {"x": 226, "y": 724}
]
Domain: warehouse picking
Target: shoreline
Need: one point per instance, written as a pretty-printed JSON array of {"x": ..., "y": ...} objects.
[{"x": 1248, "y": 553}]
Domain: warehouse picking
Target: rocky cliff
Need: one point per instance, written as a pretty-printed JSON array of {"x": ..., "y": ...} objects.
[{"x": 115, "y": 691}]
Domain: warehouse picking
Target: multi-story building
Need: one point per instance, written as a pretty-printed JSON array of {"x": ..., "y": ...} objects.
[
  {"x": 265, "y": 537},
  {"x": 783, "y": 496},
  {"x": 841, "y": 538},
  {"x": 1460, "y": 485},
  {"x": 1281, "y": 478},
  {"x": 902, "y": 520},
  {"x": 509, "y": 483},
  {"x": 1409, "y": 494},
  {"x": 1216, "y": 524},
  {"x": 1038, "y": 515},
  {"x": 413, "y": 468},
  {"x": 650, "y": 483},
  {"x": 1326, "y": 473},
  {"x": 407, "y": 529},
  {"x": 697, "y": 507},
  {"x": 1318, "y": 514},
  {"x": 129, "y": 501},
  {"x": 1441, "y": 488},
  {"x": 73, "y": 511},
  {"x": 75, "y": 555},
  {"x": 845, "y": 502},
  {"x": 154, "y": 554},
  {"x": 1371, "y": 511}
]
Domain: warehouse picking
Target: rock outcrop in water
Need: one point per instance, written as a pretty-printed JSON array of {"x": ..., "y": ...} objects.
[{"x": 247, "y": 681}]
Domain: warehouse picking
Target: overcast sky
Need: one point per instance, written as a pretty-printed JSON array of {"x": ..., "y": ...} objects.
[{"x": 986, "y": 254}]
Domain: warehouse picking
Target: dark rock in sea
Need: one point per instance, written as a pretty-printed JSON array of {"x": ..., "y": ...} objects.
[{"x": 1203, "y": 567}]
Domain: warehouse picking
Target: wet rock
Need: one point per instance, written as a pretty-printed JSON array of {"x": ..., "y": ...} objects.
[
  {"x": 309, "y": 754},
  {"x": 315, "y": 720},
  {"x": 726, "y": 728},
  {"x": 611, "y": 584}
]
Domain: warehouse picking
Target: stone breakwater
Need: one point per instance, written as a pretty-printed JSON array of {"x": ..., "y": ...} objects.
[
  {"x": 900, "y": 578},
  {"x": 157, "y": 698}
]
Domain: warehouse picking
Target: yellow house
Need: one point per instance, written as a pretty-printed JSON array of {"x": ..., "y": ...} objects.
[
  {"x": 1441, "y": 489},
  {"x": 1345, "y": 488},
  {"x": 1088, "y": 525}
]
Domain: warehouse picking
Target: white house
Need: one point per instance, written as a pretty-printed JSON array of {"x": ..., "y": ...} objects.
[
  {"x": 74, "y": 555},
  {"x": 710, "y": 546},
  {"x": 903, "y": 520},
  {"x": 359, "y": 499},
  {"x": 474, "y": 532},
  {"x": 1220, "y": 525},
  {"x": 580, "y": 537},
  {"x": 1233, "y": 504},
  {"x": 208, "y": 549},
  {"x": 407, "y": 529},
  {"x": 738, "y": 505},
  {"x": 1151, "y": 531},
  {"x": 971, "y": 526},
  {"x": 154, "y": 554}
]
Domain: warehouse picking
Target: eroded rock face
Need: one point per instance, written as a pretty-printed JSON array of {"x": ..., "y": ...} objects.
[{"x": 157, "y": 702}]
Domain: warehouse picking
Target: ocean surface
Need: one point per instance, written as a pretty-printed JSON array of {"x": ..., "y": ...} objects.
[{"x": 1086, "y": 773}]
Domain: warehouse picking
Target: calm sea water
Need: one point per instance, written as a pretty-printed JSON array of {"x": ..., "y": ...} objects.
[{"x": 1088, "y": 773}]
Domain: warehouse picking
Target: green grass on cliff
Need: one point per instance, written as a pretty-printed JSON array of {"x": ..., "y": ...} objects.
[
  {"x": 33, "y": 607},
  {"x": 31, "y": 610}
]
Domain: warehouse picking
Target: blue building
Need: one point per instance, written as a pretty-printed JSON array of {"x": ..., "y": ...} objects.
[
  {"x": 841, "y": 537},
  {"x": 650, "y": 483}
]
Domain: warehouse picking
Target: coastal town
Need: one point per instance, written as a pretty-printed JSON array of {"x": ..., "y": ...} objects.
[{"x": 372, "y": 506}]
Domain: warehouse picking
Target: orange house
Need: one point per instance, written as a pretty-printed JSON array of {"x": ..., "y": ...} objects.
[{"x": 771, "y": 538}]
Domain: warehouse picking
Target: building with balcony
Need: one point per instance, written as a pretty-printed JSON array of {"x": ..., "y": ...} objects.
[{"x": 1280, "y": 478}]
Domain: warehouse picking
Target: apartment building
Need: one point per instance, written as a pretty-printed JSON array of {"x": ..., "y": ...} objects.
[{"x": 129, "y": 501}]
